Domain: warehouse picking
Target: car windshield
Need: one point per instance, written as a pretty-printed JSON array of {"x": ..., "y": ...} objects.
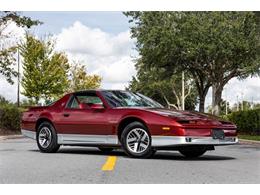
[{"x": 129, "y": 99}]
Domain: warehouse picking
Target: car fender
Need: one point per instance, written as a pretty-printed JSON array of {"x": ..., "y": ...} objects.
[{"x": 44, "y": 116}]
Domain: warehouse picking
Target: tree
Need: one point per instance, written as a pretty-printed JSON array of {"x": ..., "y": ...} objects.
[
  {"x": 244, "y": 105},
  {"x": 45, "y": 72},
  {"x": 256, "y": 106},
  {"x": 7, "y": 51},
  {"x": 213, "y": 46},
  {"x": 224, "y": 107},
  {"x": 232, "y": 48},
  {"x": 26, "y": 103},
  {"x": 167, "y": 91},
  {"x": 3, "y": 101},
  {"x": 80, "y": 80}
]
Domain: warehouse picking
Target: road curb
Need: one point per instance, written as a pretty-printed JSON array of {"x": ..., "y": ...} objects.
[
  {"x": 5, "y": 137},
  {"x": 247, "y": 141}
]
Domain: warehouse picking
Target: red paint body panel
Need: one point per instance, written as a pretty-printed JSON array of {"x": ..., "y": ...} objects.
[{"x": 106, "y": 121}]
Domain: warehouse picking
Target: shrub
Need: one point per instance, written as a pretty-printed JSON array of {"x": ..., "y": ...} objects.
[
  {"x": 247, "y": 121},
  {"x": 10, "y": 117}
]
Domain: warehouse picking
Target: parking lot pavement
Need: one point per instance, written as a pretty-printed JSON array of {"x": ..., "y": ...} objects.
[{"x": 21, "y": 162}]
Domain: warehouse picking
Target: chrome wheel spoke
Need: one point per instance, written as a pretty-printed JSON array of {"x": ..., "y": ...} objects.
[
  {"x": 137, "y": 140},
  {"x": 45, "y": 137},
  {"x": 133, "y": 139},
  {"x": 143, "y": 145},
  {"x": 144, "y": 137},
  {"x": 136, "y": 133},
  {"x": 44, "y": 141},
  {"x": 135, "y": 146}
]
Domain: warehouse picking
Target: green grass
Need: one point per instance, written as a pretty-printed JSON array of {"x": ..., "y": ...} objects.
[{"x": 250, "y": 137}]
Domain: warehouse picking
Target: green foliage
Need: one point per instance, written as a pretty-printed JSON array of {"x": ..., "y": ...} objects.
[
  {"x": 45, "y": 71},
  {"x": 3, "y": 101},
  {"x": 80, "y": 80},
  {"x": 25, "y": 103},
  {"x": 250, "y": 137},
  {"x": 213, "y": 46},
  {"x": 153, "y": 83},
  {"x": 7, "y": 53},
  {"x": 256, "y": 106},
  {"x": 6, "y": 61},
  {"x": 245, "y": 106},
  {"x": 22, "y": 21},
  {"x": 247, "y": 121},
  {"x": 10, "y": 117}
]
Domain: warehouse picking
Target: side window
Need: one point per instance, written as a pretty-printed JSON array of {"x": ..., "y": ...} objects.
[
  {"x": 73, "y": 103},
  {"x": 89, "y": 99},
  {"x": 85, "y": 98}
]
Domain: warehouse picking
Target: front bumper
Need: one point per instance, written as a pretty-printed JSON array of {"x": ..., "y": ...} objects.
[{"x": 161, "y": 141}]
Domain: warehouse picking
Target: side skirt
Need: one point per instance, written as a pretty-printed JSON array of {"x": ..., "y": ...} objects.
[{"x": 79, "y": 139}]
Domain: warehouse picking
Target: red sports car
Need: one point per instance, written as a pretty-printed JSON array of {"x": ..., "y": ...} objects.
[{"x": 109, "y": 119}]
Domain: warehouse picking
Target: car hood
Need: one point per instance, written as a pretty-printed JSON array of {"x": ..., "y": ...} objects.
[{"x": 188, "y": 115}]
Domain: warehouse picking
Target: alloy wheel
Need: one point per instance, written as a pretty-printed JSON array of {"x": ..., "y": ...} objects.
[
  {"x": 137, "y": 140},
  {"x": 45, "y": 137}
]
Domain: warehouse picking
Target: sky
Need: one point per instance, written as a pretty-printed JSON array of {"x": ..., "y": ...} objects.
[{"x": 102, "y": 41}]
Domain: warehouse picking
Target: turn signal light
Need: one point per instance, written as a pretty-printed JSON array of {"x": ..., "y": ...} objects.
[{"x": 166, "y": 128}]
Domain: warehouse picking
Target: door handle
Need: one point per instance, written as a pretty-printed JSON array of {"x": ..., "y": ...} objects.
[{"x": 66, "y": 114}]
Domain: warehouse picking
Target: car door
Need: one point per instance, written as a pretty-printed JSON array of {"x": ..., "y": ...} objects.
[{"x": 83, "y": 120}]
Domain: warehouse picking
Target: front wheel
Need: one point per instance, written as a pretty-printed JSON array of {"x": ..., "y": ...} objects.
[
  {"x": 192, "y": 152},
  {"x": 136, "y": 140},
  {"x": 47, "y": 138}
]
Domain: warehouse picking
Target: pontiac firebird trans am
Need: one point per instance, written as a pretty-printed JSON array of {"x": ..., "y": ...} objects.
[{"x": 110, "y": 119}]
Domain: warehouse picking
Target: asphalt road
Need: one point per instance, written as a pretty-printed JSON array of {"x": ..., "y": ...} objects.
[{"x": 21, "y": 162}]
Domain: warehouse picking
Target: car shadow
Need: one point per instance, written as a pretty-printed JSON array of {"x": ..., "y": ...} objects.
[
  {"x": 159, "y": 155},
  {"x": 162, "y": 155},
  {"x": 91, "y": 151}
]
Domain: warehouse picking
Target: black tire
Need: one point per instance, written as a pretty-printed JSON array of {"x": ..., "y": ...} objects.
[
  {"x": 152, "y": 153},
  {"x": 148, "y": 152},
  {"x": 192, "y": 152},
  {"x": 105, "y": 150},
  {"x": 53, "y": 146}
]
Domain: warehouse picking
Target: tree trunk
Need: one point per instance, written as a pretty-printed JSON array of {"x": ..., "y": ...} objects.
[
  {"x": 203, "y": 90},
  {"x": 37, "y": 100},
  {"x": 202, "y": 103},
  {"x": 202, "y": 86},
  {"x": 216, "y": 98},
  {"x": 182, "y": 91}
]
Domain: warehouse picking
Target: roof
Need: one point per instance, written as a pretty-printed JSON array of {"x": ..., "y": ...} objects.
[{"x": 94, "y": 90}]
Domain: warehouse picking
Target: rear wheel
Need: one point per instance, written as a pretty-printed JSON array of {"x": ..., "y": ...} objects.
[
  {"x": 136, "y": 140},
  {"x": 192, "y": 152},
  {"x": 47, "y": 138},
  {"x": 105, "y": 150}
]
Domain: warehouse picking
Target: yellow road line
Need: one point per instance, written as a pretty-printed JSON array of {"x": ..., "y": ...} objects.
[{"x": 110, "y": 163}]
